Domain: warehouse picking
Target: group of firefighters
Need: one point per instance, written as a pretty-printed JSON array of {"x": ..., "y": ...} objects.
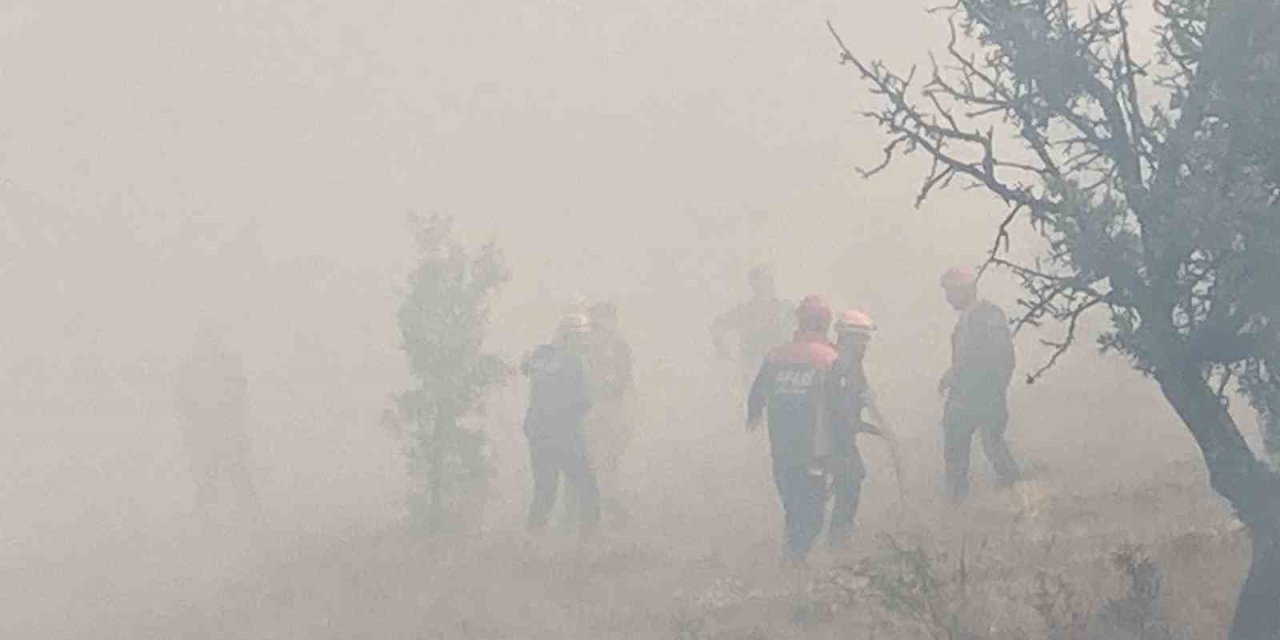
[{"x": 810, "y": 389}]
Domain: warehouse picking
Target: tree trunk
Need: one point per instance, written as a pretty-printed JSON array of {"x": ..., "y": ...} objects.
[
  {"x": 438, "y": 512},
  {"x": 1249, "y": 485},
  {"x": 1258, "y": 608}
]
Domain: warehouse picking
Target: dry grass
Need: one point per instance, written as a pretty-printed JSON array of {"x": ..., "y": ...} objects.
[
  {"x": 1138, "y": 564},
  {"x": 1009, "y": 566},
  {"x": 1145, "y": 552}
]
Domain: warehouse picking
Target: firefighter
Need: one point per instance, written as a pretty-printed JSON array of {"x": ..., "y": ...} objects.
[
  {"x": 212, "y": 403},
  {"x": 758, "y": 324},
  {"x": 1267, "y": 403},
  {"x": 559, "y": 399},
  {"x": 792, "y": 384},
  {"x": 849, "y": 396},
  {"x": 976, "y": 386},
  {"x": 610, "y": 423}
]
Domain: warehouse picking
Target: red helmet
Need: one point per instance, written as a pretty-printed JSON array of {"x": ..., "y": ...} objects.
[
  {"x": 959, "y": 277},
  {"x": 814, "y": 314},
  {"x": 855, "y": 321}
]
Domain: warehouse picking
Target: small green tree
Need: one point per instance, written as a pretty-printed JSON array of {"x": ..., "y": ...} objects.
[{"x": 443, "y": 317}]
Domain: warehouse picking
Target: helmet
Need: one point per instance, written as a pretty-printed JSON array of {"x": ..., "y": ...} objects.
[
  {"x": 760, "y": 272},
  {"x": 855, "y": 321},
  {"x": 814, "y": 314},
  {"x": 575, "y": 323},
  {"x": 578, "y": 304},
  {"x": 959, "y": 277},
  {"x": 761, "y": 279}
]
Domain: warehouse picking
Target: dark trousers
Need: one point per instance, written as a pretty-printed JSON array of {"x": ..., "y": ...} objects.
[
  {"x": 219, "y": 459},
  {"x": 1269, "y": 421},
  {"x": 551, "y": 456},
  {"x": 803, "y": 493},
  {"x": 609, "y": 430},
  {"x": 988, "y": 417},
  {"x": 846, "y": 492}
]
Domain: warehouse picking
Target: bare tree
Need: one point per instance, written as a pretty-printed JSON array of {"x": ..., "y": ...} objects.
[{"x": 1154, "y": 185}]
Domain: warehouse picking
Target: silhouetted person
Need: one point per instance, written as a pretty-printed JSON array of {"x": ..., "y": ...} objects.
[
  {"x": 610, "y": 423},
  {"x": 1268, "y": 406},
  {"x": 212, "y": 397},
  {"x": 559, "y": 398},
  {"x": 848, "y": 396},
  {"x": 977, "y": 384},
  {"x": 759, "y": 323}
]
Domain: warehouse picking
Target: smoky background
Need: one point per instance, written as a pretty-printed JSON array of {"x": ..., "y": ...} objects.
[{"x": 162, "y": 163}]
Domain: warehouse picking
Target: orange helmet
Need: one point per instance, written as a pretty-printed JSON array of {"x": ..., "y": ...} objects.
[
  {"x": 959, "y": 277},
  {"x": 855, "y": 321}
]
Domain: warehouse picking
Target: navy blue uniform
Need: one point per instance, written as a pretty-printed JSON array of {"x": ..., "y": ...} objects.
[
  {"x": 848, "y": 398},
  {"x": 559, "y": 398},
  {"x": 793, "y": 384}
]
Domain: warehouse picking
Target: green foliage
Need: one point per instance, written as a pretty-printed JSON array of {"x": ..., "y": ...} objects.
[
  {"x": 443, "y": 317},
  {"x": 1058, "y": 605},
  {"x": 1155, "y": 185},
  {"x": 909, "y": 583},
  {"x": 1137, "y": 613},
  {"x": 925, "y": 594}
]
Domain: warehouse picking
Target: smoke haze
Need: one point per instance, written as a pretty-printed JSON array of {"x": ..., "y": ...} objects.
[{"x": 253, "y": 162}]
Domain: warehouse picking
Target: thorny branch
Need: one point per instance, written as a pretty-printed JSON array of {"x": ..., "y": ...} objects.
[
  {"x": 1163, "y": 215},
  {"x": 970, "y": 152},
  {"x": 1094, "y": 173},
  {"x": 1062, "y": 346}
]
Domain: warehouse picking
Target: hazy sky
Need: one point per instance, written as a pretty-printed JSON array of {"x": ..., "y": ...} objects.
[{"x": 162, "y": 160}]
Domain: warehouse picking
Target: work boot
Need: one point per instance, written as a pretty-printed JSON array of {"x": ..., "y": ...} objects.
[
  {"x": 838, "y": 538},
  {"x": 794, "y": 561}
]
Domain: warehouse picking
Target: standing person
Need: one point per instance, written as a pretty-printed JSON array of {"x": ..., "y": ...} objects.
[
  {"x": 850, "y": 394},
  {"x": 1263, "y": 390},
  {"x": 977, "y": 384},
  {"x": 1267, "y": 404},
  {"x": 212, "y": 402},
  {"x": 759, "y": 323},
  {"x": 1269, "y": 420},
  {"x": 559, "y": 398},
  {"x": 610, "y": 423},
  {"x": 792, "y": 384}
]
